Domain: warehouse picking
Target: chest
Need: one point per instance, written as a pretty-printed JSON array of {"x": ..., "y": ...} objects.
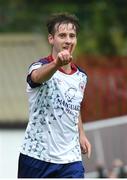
[{"x": 69, "y": 87}]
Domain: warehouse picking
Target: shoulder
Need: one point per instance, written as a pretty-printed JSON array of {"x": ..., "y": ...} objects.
[
  {"x": 82, "y": 71},
  {"x": 40, "y": 62},
  {"x": 37, "y": 64}
]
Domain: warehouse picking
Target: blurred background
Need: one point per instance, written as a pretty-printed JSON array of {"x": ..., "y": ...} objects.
[{"x": 101, "y": 52}]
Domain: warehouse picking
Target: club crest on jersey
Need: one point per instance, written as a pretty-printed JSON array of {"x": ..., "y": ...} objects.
[{"x": 81, "y": 86}]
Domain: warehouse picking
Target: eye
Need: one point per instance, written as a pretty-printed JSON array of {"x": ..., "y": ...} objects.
[
  {"x": 72, "y": 35},
  {"x": 62, "y": 35}
]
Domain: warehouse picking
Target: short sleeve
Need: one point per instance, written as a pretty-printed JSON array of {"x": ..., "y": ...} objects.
[{"x": 33, "y": 67}]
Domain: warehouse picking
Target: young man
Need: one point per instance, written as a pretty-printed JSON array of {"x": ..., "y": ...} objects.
[{"x": 54, "y": 136}]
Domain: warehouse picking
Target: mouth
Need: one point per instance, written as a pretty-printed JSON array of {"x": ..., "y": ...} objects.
[{"x": 69, "y": 48}]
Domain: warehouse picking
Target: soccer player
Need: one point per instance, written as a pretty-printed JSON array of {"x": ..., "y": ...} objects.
[{"x": 54, "y": 137}]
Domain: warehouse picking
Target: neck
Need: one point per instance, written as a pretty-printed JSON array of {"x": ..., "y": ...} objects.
[
  {"x": 53, "y": 54},
  {"x": 67, "y": 68}
]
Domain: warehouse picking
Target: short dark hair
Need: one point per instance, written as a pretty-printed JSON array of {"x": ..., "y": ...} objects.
[{"x": 61, "y": 18}]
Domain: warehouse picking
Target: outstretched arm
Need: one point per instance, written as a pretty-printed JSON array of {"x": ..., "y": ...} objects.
[
  {"x": 84, "y": 142},
  {"x": 45, "y": 72}
]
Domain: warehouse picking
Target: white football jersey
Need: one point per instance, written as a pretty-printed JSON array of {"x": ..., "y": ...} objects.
[{"x": 54, "y": 106}]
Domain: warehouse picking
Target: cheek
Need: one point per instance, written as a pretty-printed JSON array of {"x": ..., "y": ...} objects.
[
  {"x": 57, "y": 46},
  {"x": 75, "y": 42},
  {"x": 57, "y": 41},
  {"x": 74, "y": 45}
]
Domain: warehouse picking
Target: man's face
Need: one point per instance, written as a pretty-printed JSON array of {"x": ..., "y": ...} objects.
[{"x": 64, "y": 38}]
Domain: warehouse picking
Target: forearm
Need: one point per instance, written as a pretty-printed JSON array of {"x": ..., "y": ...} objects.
[
  {"x": 44, "y": 73},
  {"x": 84, "y": 142}
]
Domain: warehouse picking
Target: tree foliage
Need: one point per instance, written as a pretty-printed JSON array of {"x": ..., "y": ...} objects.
[{"x": 103, "y": 22}]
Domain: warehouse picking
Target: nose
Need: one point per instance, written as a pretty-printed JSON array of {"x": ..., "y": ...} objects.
[{"x": 68, "y": 40}]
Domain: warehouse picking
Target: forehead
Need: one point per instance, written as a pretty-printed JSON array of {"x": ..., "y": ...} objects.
[{"x": 64, "y": 27}]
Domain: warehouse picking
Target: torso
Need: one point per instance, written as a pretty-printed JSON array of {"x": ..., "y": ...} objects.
[{"x": 52, "y": 132}]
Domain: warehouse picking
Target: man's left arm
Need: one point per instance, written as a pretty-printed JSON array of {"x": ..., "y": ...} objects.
[{"x": 84, "y": 142}]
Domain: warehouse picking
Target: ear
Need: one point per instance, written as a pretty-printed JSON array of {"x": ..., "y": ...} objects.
[{"x": 50, "y": 39}]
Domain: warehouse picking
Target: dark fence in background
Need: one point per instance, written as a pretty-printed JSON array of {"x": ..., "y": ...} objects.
[{"x": 106, "y": 93}]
